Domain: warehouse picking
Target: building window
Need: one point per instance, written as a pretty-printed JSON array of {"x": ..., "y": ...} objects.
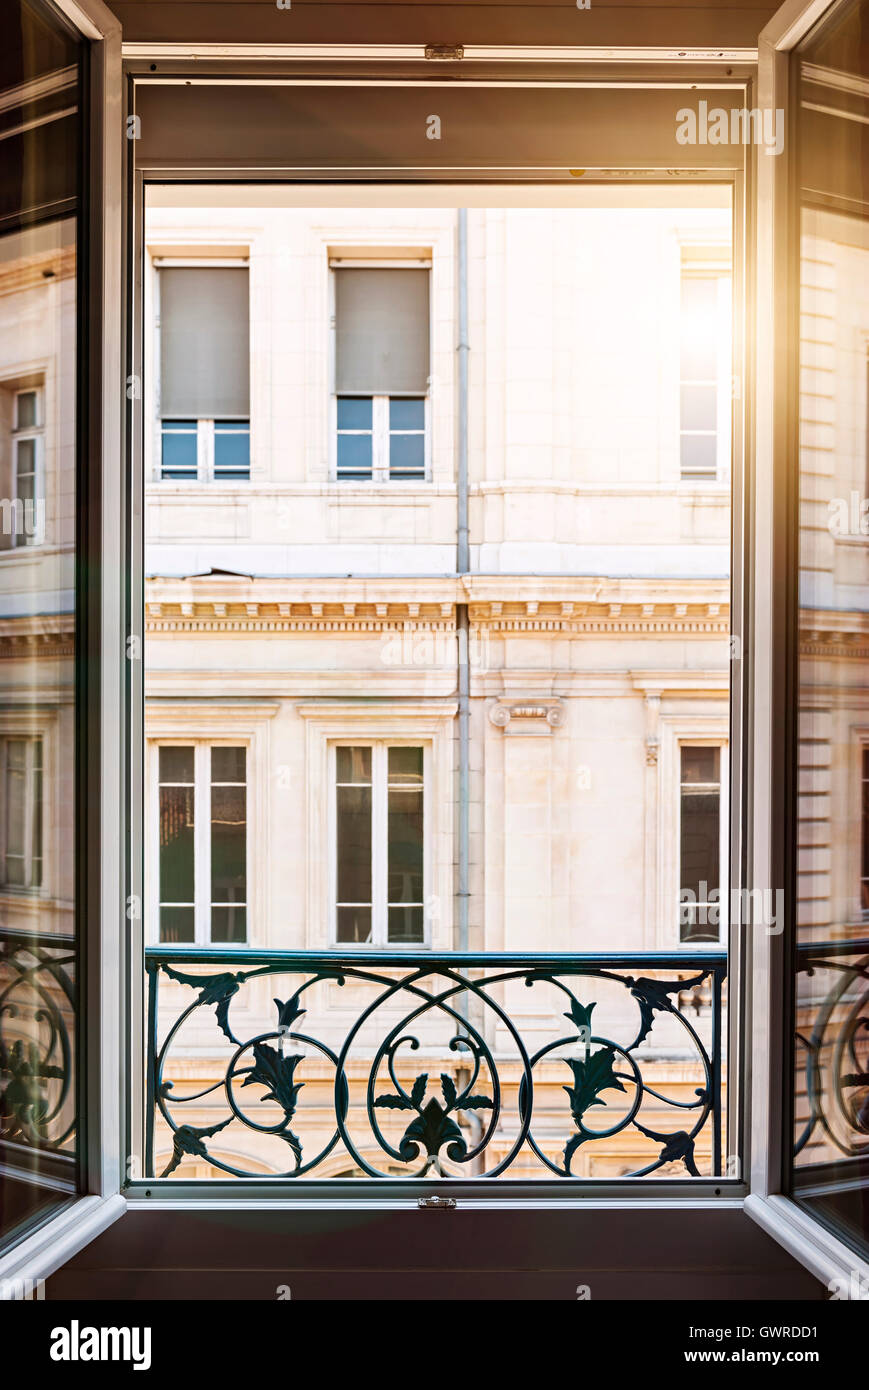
[
  {"x": 26, "y": 521},
  {"x": 204, "y": 333},
  {"x": 382, "y": 438},
  {"x": 701, "y": 911},
  {"x": 202, "y": 810},
  {"x": 864, "y": 848},
  {"x": 21, "y": 807},
  {"x": 705, "y": 375},
  {"x": 379, "y": 845},
  {"x": 381, "y": 372}
]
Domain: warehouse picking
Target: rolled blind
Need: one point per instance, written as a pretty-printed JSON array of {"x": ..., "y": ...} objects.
[
  {"x": 204, "y": 342},
  {"x": 382, "y": 324}
]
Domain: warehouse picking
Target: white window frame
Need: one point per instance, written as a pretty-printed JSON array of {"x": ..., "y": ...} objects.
[
  {"x": 698, "y": 741},
  {"x": 675, "y": 729},
  {"x": 380, "y": 474},
  {"x": 379, "y": 842},
  {"x": 29, "y": 739},
  {"x": 205, "y": 426},
  {"x": 429, "y": 724},
  {"x": 202, "y": 905},
  {"x": 205, "y": 431},
  {"x": 35, "y": 432},
  {"x": 381, "y": 436},
  {"x": 713, "y": 269}
]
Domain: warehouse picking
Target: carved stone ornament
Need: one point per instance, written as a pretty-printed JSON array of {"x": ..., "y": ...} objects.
[{"x": 528, "y": 718}]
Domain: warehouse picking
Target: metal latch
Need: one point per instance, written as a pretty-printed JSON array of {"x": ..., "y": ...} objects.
[
  {"x": 441, "y": 51},
  {"x": 436, "y": 1201}
]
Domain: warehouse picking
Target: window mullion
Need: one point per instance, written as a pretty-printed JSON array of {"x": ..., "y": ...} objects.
[
  {"x": 202, "y": 843},
  {"x": 204, "y": 450},
  {"x": 380, "y": 442}
]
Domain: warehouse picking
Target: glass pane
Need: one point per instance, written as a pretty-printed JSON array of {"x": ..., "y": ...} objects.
[
  {"x": 42, "y": 838},
  {"x": 25, "y": 457},
  {"x": 228, "y": 844},
  {"x": 354, "y": 455},
  {"x": 406, "y": 455},
  {"x": 176, "y": 845},
  {"x": 36, "y": 818},
  {"x": 701, "y": 764},
  {"x": 231, "y": 450},
  {"x": 228, "y": 925},
  {"x": 406, "y": 925},
  {"x": 354, "y": 924},
  {"x": 176, "y": 764},
  {"x": 177, "y": 925},
  {"x": 16, "y": 788},
  {"x": 699, "y": 406},
  {"x": 700, "y": 850},
  {"x": 354, "y": 412},
  {"x": 830, "y": 1139},
  {"x": 354, "y": 844},
  {"x": 405, "y": 844},
  {"x": 405, "y": 765},
  {"x": 353, "y": 764},
  {"x": 699, "y": 328},
  {"x": 179, "y": 454},
  {"x": 406, "y": 414},
  {"x": 25, "y": 414},
  {"x": 699, "y": 453},
  {"x": 228, "y": 764}
]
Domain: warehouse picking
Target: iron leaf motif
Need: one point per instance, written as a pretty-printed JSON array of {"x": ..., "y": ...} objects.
[
  {"x": 590, "y": 1077},
  {"x": 433, "y": 1127},
  {"x": 215, "y": 989},
  {"x": 277, "y": 1075},
  {"x": 188, "y": 1141}
]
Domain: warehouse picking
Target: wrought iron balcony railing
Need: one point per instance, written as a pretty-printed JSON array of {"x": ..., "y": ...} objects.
[
  {"x": 832, "y": 1047},
  {"x": 387, "y": 1064},
  {"x": 37, "y": 1049}
]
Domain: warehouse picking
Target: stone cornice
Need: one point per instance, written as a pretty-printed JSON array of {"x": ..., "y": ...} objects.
[
  {"x": 831, "y": 633},
  {"x": 227, "y": 605},
  {"x": 45, "y": 635}
]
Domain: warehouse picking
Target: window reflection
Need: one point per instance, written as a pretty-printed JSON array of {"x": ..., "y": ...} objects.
[
  {"x": 831, "y": 1104},
  {"x": 39, "y": 170}
]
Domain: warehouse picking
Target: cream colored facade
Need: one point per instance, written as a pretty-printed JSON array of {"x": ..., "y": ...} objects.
[{"x": 292, "y": 610}]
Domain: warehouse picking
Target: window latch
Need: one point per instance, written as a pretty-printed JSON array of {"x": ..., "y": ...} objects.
[{"x": 436, "y": 1202}]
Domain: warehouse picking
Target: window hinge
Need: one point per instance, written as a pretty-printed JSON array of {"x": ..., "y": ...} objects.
[{"x": 436, "y": 1201}]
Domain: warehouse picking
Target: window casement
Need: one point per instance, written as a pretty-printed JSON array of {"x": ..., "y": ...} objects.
[
  {"x": 27, "y": 510},
  {"x": 702, "y": 844},
  {"x": 202, "y": 323},
  {"x": 864, "y": 831},
  {"x": 21, "y": 813},
  {"x": 201, "y": 808},
  {"x": 705, "y": 368},
  {"x": 380, "y": 400},
  {"x": 379, "y": 844}
]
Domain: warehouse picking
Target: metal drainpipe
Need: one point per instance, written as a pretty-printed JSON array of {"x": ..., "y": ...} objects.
[{"x": 462, "y": 568}]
